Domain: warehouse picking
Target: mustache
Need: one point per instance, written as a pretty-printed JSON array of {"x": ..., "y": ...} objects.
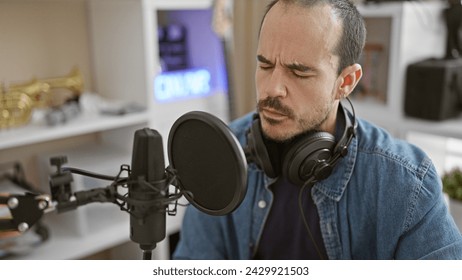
[{"x": 275, "y": 104}]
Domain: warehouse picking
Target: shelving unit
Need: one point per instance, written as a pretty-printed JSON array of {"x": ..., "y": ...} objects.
[
  {"x": 114, "y": 44},
  {"x": 413, "y": 31}
]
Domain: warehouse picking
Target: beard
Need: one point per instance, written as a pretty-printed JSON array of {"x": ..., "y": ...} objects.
[{"x": 304, "y": 124}]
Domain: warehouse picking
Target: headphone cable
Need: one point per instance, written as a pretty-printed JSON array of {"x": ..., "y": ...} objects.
[{"x": 305, "y": 222}]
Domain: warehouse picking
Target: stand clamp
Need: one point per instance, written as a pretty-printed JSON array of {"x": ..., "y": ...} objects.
[{"x": 26, "y": 210}]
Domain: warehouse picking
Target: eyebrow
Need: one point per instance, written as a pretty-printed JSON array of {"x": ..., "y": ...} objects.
[
  {"x": 263, "y": 59},
  {"x": 292, "y": 66}
]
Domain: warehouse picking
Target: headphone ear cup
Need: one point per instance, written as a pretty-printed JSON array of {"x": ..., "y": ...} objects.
[
  {"x": 308, "y": 158},
  {"x": 257, "y": 150}
]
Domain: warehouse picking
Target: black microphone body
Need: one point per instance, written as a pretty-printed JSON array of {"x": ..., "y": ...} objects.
[{"x": 147, "y": 190}]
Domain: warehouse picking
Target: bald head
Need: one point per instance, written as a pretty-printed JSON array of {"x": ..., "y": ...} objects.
[{"x": 351, "y": 40}]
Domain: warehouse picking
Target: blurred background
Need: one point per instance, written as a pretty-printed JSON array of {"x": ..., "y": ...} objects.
[{"x": 79, "y": 77}]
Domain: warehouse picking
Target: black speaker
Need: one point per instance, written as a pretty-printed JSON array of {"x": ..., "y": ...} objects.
[{"x": 434, "y": 89}]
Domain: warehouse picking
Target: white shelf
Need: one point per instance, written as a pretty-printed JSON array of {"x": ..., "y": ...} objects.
[
  {"x": 71, "y": 247},
  {"x": 180, "y": 4},
  {"x": 447, "y": 128},
  {"x": 62, "y": 247},
  {"x": 37, "y": 131}
]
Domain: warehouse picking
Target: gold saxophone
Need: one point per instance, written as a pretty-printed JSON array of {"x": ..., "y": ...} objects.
[{"x": 17, "y": 103}]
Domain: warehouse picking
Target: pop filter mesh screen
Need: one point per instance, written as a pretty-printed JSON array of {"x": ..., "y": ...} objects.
[{"x": 206, "y": 164}]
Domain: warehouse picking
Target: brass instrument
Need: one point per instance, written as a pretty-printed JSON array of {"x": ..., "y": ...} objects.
[
  {"x": 16, "y": 109},
  {"x": 41, "y": 91},
  {"x": 17, "y": 103}
]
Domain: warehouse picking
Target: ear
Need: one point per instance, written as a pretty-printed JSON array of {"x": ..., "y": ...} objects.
[{"x": 349, "y": 79}]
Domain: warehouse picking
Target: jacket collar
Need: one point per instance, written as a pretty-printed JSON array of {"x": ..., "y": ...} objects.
[{"x": 334, "y": 186}]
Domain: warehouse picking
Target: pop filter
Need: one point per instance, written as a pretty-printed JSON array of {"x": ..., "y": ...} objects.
[{"x": 210, "y": 164}]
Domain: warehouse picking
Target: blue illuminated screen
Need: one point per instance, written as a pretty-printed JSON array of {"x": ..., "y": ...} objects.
[{"x": 193, "y": 60}]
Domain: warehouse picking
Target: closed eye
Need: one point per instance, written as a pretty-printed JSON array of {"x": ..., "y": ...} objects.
[
  {"x": 301, "y": 71},
  {"x": 264, "y": 66},
  {"x": 302, "y": 75}
]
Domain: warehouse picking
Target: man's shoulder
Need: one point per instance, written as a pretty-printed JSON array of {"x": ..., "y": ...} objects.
[
  {"x": 374, "y": 140},
  {"x": 241, "y": 125}
]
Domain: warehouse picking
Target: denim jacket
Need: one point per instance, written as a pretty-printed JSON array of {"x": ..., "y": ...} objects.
[{"x": 383, "y": 201}]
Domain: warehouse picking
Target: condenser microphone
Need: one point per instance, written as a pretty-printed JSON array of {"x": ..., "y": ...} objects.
[{"x": 147, "y": 191}]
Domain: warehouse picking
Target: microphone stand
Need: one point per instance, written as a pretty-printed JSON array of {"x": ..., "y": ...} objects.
[
  {"x": 144, "y": 210},
  {"x": 28, "y": 209}
]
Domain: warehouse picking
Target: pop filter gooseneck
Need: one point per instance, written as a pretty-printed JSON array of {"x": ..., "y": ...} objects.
[{"x": 210, "y": 164}]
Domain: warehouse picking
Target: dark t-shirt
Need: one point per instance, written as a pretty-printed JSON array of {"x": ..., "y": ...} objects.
[{"x": 284, "y": 234}]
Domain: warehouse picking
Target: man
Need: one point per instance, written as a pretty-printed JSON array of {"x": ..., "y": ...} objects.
[{"x": 380, "y": 200}]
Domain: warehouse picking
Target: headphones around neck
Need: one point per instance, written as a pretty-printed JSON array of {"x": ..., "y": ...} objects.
[{"x": 310, "y": 157}]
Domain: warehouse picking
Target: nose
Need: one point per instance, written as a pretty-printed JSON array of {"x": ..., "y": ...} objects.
[{"x": 276, "y": 84}]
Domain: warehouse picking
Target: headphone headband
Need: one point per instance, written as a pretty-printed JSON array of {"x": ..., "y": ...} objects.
[{"x": 349, "y": 132}]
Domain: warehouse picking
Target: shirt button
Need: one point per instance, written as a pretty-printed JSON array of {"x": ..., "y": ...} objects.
[{"x": 262, "y": 204}]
